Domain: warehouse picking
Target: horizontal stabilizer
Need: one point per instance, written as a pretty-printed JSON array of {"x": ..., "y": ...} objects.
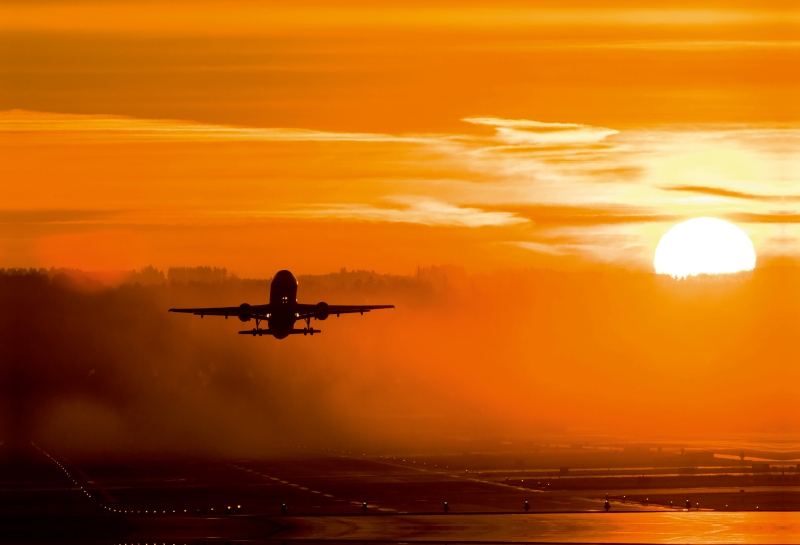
[{"x": 260, "y": 332}]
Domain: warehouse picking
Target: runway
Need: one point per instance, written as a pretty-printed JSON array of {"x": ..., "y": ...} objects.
[
  {"x": 641, "y": 527},
  {"x": 46, "y": 496}
]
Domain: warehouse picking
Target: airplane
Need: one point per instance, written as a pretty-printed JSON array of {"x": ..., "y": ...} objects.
[{"x": 282, "y": 311}]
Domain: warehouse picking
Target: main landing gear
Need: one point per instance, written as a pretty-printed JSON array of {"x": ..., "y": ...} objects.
[{"x": 308, "y": 330}]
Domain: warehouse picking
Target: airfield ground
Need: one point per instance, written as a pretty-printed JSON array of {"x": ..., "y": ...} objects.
[{"x": 45, "y": 495}]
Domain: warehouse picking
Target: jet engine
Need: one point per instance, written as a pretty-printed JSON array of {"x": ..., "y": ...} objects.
[
  {"x": 321, "y": 312},
  {"x": 245, "y": 313}
]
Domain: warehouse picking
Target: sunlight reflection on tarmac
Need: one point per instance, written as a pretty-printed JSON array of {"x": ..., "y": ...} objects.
[{"x": 644, "y": 527}]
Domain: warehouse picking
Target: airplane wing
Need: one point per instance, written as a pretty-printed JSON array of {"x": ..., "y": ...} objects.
[
  {"x": 311, "y": 310},
  {"x": 261, "y": 311},
  {"x": 256, "y": 310}
]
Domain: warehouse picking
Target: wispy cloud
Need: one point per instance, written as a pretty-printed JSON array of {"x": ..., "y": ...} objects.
[
  {"x": 684, "y": 45},
  {"x": 37, "y": 216},
  {"x": 565, "y": 215},
  {"x": 550, "y": 248},
  {"x": 721, "y": 192},
  {"x": 618, "y": 250},
  {"x": 523, "y": 131},
  {"x": 775, "y": 217},
  {"x": 522, "y": 123},
  {"x": 421, "y": 211},
  {"x": 248, "y": 17},
  {"x": 120, "y": 128}
]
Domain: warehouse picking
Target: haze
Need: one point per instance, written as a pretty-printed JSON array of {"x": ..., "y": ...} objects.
[{"x": 516, "y": 358}]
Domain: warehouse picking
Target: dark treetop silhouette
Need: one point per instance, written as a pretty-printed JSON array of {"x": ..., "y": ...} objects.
[{"x": 282, "y": 311}]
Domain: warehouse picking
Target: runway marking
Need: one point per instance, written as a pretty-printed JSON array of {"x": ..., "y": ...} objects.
[
  {"x": 456, "y": 476},
  {"x": 284, "y": 482},
  {"x": 70, "y": 477},
  {"x": 108, "y": 497}
]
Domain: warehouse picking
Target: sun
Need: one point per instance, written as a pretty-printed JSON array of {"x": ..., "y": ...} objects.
[{"x": 704, "y": 246}]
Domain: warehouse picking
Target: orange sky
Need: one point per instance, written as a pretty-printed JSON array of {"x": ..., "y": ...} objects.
[{"x": 312, "y": 136}]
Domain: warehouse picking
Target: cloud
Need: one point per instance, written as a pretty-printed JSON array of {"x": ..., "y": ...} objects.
[
  {"x": 720, "y": 192},
  {"x": 549, "y": 248},
  {"x": 25, "y": 217},
  {"x": 577, "y": 136},
  {"x": 422, "y": 211},
  {"x": 520, "y": 123},
  {"x": 542, "y": 175},
  {"x": 592, "y": 246},
  {"x": 511, "y": 131},
  {"x": 226, "y": 19},
  {"x": 775, "y": 217},
  {"x": 685, "y": 45},
  {"x": 123, "y": 128},
  {"x": 566, "y": 215}
]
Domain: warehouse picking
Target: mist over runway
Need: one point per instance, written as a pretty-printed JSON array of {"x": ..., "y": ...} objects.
[{"x": 503, "y": 358}]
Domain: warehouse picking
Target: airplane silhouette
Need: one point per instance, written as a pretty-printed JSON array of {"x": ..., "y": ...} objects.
[{"x": 282, "y": 311}]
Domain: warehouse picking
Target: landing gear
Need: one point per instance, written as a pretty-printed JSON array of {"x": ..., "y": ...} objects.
[
  {"x": 255, "y": 331},
  {"x": 308, "y": 330}
]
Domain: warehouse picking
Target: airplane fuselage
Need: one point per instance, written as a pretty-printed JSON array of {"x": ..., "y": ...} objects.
[{"x": 282, "y": 301}]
